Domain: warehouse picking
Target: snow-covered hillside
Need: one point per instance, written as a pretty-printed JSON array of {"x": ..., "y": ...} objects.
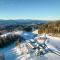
[{"x": 14, "y": 52}]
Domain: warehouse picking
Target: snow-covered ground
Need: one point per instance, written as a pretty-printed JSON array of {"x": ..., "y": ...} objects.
[
  {"x": 14, "y": 32},
  {"x": 54, "y": 41},
  {"x": 13, "y": 52}
]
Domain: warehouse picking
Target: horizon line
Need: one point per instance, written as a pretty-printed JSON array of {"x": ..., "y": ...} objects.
[{"x": 28, "y": 19}]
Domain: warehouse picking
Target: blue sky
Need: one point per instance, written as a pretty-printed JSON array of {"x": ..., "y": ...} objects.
[{"x": 30, "y": 9}]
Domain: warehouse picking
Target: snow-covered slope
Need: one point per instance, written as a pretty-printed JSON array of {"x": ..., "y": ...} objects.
[{"x": 13, "y": 52}]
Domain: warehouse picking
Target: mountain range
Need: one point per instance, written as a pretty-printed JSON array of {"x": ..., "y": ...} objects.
[{"x": 21, "y": 21}]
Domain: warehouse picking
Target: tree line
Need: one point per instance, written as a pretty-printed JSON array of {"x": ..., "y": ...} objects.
[{"x": 51, "y": 27}]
